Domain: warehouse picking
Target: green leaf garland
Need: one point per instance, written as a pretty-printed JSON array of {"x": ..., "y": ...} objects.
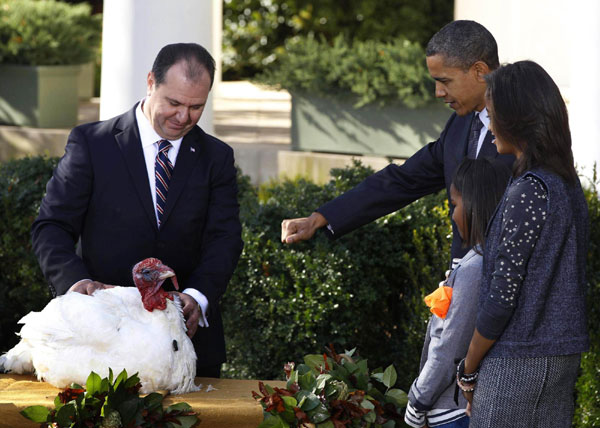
[{"x": 107, "y": 404}]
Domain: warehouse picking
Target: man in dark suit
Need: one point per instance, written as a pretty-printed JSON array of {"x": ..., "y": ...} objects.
[
  {"x": 125, "y": 200},
  {"x": 458, "y": 58}
]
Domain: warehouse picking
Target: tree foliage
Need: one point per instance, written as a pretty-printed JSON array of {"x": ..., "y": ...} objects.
[
  {"x": 364, "y": 71},
  {"x": 255, "y": 31},
  {"x": 47, "y": 32}
]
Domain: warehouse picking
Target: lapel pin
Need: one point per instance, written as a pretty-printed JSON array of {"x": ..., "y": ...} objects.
[{"x": 193, "y": 150}]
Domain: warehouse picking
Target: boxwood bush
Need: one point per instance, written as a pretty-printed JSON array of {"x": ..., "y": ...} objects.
[
  {"x": 587, "y": 410},
  {"x": 22, "y": 286},
  {"x": 47, "y": 32},
  {"x": 363, "y": 290},
  {"x": 364, "y": 72}
]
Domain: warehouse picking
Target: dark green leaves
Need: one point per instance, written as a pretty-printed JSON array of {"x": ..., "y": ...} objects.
[
  {"x": 111, "y": 404},
  {"x": 389, "y": 376},
  {"x": 37, "y": 414},
  {"x": 48, "y": 33},
  {"x": 398, "y": 397},
  {"x": 363, "y": 71},
  {"x": 94, "y": 384},
  {"x": 329, "y": 391}
]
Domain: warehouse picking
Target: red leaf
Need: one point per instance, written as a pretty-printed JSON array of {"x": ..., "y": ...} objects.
[
  {"x": 70, "y": 394},
  {"x": 300, "y": 415},
  {"x": 284, "y": 392},
  {"x": 287, "y": 368}
]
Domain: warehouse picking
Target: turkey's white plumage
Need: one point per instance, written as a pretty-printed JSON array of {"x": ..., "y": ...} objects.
[{"x": 76, "y": 334}]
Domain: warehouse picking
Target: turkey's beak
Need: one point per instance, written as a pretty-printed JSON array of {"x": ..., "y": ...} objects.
[{"x": 167, "y": 272}]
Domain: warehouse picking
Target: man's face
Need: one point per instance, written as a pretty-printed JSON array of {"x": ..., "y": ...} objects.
[
  {"x": 175, "y": 106},
  {"x": 463, "y": 91}
]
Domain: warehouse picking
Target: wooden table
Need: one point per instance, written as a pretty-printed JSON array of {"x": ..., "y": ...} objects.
[{"x": 229, "y": 406}]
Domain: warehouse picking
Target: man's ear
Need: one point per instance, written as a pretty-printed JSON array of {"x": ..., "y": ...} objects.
[
  {"x": 150, "y": 81},
  {"x": 480, "y": 69}
]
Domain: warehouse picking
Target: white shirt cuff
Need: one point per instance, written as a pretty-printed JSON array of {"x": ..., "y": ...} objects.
[{"x": 202, "y": 302}]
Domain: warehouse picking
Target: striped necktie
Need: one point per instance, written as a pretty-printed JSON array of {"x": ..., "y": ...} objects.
[
  {"x": 476, "y": 126},
  {"x": 163, "y": 169}
]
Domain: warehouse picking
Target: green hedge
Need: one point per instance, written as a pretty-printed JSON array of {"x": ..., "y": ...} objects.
[
  {"x": 367, "y": 71},
  {"x": 47, "y": 32},
  {"x": 587, "y": 413},
  {"x": 22, "y": 286},
  {"x": 363, "y": 290},
  {"x": 255, "y": 31}
]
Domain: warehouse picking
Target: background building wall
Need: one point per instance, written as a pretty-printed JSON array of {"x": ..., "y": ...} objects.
[{"x": 564, "y": 38}]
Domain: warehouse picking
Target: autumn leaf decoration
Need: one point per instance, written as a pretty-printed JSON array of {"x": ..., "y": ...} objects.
[
  {"x": 332, "y": 391},
  {"x": 111, "y": 403}
]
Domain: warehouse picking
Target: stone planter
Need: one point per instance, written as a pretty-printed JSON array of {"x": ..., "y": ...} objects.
[
  {"x": 334, "y": 126},
  {"x": 44, "y": 96},
  {"x": 85, "y": 82}
]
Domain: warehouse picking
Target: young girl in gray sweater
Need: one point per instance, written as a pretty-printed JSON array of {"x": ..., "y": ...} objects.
[{"x": 476, "y": 189}]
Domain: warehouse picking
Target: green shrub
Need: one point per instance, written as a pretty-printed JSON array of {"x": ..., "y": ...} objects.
[
  {"x": 255, "y": 31},
  {"x": 587, "y": 413},
  {"x": 363, "y": 290},
  {"x": 364, "y": 71},
  {"x": 47, "y": 32},
  {"x": 22, "y": 286}
]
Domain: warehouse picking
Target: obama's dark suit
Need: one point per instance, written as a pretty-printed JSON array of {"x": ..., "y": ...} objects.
[
  {"x": 100, "y": 194},
  {"x": 428, "y": 171}
]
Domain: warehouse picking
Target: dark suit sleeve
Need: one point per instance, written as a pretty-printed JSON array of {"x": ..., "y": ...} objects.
[
  {"x": 388, "y": 190},
  {"x": 58, "y": 226},
  {"x": 221, "y": 240}
]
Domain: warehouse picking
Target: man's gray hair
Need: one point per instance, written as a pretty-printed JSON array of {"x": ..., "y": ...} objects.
[{"x": 463, "y": 43}]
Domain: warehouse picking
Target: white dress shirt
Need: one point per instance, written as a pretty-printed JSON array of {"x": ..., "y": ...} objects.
[
  {"x": 150, "y": 141},
  {"x": 485, "y": 119}
]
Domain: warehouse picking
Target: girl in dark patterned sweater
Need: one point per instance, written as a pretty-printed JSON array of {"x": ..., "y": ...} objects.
[{"x": 531, "y": 326}]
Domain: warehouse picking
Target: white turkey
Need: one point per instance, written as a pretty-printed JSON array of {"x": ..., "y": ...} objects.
[{"x": 139, "y": 329}]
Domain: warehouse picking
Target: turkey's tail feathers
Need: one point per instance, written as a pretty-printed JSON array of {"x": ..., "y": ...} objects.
[
  {"x": 17, "y": 360},
  {"x": 187, "y": 383}
]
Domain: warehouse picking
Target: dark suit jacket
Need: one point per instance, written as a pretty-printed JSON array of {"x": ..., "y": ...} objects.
[
  {"x": 427, "y": 171},
  {"x": 100, "y": 194}
]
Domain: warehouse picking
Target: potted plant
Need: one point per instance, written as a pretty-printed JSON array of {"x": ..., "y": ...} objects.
[
  {"x": 42, "y": 45},
  {"x": 361, "y": 97}
]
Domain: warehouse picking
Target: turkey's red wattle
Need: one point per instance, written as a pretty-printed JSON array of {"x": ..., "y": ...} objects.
[{"x": 156, "y": 300}]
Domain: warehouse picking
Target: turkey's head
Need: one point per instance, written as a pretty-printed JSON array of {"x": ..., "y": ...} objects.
[{"x": 148, "y": 277}]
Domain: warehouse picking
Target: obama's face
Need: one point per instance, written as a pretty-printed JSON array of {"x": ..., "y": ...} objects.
[{"x": 463, "y": 90}]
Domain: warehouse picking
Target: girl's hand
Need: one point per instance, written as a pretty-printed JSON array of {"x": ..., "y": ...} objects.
[{"x": 469, "y": 397}]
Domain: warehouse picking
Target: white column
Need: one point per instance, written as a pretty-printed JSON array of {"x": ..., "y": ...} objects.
[
  {"x": 133, "y": 33},
  {"x": 584, "y": 107}
]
